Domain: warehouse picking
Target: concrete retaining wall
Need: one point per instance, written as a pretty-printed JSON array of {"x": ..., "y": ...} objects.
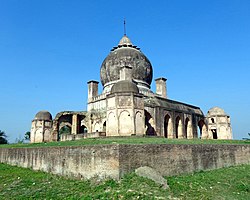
[{"x": 113, "y": 161}]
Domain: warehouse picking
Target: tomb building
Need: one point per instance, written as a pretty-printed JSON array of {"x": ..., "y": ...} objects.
[{"x": 127, "y": 106}]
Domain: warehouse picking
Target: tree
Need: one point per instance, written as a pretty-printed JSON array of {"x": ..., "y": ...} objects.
[
  {"x": 65, "y": 130},
  {"x": 3, "y": 137},
  {"x": 247, "y": 138},
  {"x": 19, "y": 140},
  {"x": 27, "y": 135}
]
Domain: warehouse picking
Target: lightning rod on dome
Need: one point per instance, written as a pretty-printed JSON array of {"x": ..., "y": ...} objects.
[{"x": 124, "y": 26}]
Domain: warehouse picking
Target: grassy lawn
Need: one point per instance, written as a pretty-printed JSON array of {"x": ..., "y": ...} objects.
[
  {"x": 128, "y": 140},
  {"x": 227, "y": 183}
]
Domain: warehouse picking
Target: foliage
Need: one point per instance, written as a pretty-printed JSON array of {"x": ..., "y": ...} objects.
[
  {"x": 226, "y": 183},
  {"x": 3, "y": 138},
  {"x": 27, "y": 135},
  {"x": 19, "y": 140},
  {"x": 65, "y": 130},
  {"x": 129, "y": 140},
  {"x": 247, "y": 138}
]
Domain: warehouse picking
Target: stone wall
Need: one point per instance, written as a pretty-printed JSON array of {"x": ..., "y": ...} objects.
[
  {"x": 178, "y": 159},
  {"x": 115, "y": 160},
  {"x": 86, "y": 161}
]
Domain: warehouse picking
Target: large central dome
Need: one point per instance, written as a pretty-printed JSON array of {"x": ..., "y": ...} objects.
[{"x": 126, "y": 54}]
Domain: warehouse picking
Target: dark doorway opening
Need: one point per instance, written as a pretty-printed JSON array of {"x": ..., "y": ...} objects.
[
  {"x": 201, "y": 128},
  {"x": 166, "y": 122},
  {"x": 214, "y": 131},
  {"x": 186, "y": 128},
  {"x": 104, "y": 126},
  {"x": 177, "y": 125},
  {"x": 149, "y": 128},
  {"x": 83, "y": 129}
]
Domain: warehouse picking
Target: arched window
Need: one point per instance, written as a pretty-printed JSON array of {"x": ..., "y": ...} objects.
[{"x": 212, "y": 120}]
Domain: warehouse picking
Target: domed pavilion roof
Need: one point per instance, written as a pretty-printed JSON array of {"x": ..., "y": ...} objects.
[
  {"x": 216, "y": 111},
  {"x": 43, "y": 115},
  {"x": 124, "y": 86},
  {"x": 126, "y": 54}
]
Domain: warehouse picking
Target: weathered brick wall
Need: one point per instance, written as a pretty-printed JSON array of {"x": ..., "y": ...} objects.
[
  {"x": 115, "y": 160},
  {"x": 177, "y": 159},
  {"x": 86, "y": 161}
]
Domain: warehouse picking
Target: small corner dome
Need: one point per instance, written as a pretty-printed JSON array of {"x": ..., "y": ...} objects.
[
  {"x": 43, "y": 115},
  {"x": 124, "y": 86},
  {"x": 216, "y": 111}
]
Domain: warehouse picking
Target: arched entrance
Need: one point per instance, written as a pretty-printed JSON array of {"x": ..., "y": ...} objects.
[
  {"x": 149, "y": 124},
  {"x": 178, "y": 127},
  {"x": 64, "y": 125},
  {"x": 66, "y": 129},
  {"x": 214, "y": 133},
  {"x": 104, "y": 127},
  {"x": 202, "y": 129},
  {"x": 167, "y": 126},
  {"x": 188, "y": 129},
  {"x": 83, "y": 129}
]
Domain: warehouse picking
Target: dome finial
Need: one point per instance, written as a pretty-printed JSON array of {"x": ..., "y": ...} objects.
[
  {"x": 124, "y": 26},
  {"x": 125, "y": 41}
]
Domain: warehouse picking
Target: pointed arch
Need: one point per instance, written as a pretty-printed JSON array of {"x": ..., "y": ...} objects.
[
  {"x": 63, "y": 124},
  {"x": 112, "y": 127},
  {"x": 82, "y": 125},
  {"x": 104, "y": 126},
  {"x": 202, "y": 129},
  {"x": 149, "y": 124},
  {"x": 167, "y": 126},
  {"x": 47, "y": 134},
  {"x": 125, "y": 123},
  {"x": 39, "y": 135},
  {"x": 66, "y": 129},
  {"x": 139, "y": 129},
  {"x": 83, "y": 129},
  {"x": 97, "y": 127},
  {"x": 188, "y": 129},
  {"x": 178, "y": 127}
]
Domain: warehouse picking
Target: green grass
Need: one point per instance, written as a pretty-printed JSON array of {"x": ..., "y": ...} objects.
[
  {"x": 128, "y": 140},
  {"x": 226, "y": 183}
]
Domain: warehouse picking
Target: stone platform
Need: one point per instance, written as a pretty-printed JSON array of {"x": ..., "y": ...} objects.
[{"x": 115, "y": 160}]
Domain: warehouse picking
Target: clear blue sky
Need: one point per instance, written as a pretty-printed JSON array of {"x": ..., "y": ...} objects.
[{"x": 49, "y": 49}]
